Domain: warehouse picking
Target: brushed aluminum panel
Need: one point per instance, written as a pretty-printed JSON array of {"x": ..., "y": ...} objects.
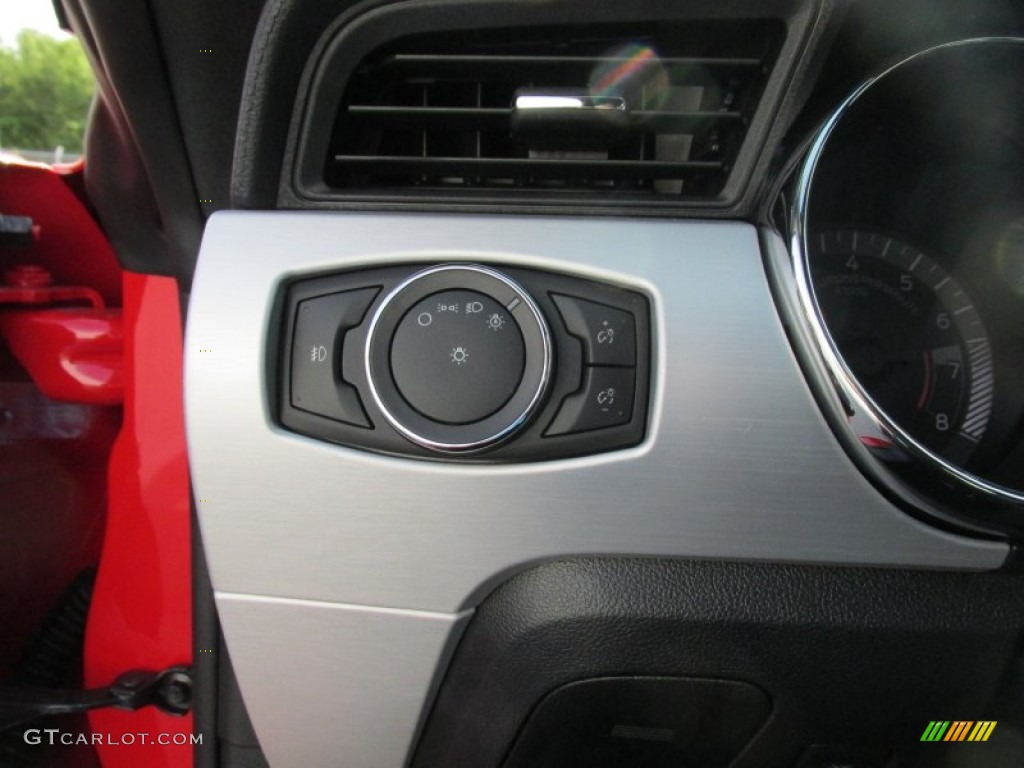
[
  {"x": 738, "y": 462},
  {"x": 335, "y": 685}
]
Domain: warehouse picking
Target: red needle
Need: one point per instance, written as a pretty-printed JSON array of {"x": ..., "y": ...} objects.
[{"x": 926, "y": 389}]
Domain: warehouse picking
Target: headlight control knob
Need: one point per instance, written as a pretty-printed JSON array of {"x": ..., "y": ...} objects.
[{"x": 458, "y": 358}]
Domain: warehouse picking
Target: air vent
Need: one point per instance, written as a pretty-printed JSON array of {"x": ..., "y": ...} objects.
[{"x": 657, "y": 110}]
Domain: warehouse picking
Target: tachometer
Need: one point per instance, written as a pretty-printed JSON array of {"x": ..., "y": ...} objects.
[{"x": 909, "y": 334}]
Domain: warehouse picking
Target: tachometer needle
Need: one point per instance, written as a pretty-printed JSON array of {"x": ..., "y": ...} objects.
[{"x": 926, "y": 390}]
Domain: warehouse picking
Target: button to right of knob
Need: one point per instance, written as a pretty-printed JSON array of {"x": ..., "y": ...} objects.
[
  {"x": 606, "y": 400},
  {"x": 608, "y": 333}
]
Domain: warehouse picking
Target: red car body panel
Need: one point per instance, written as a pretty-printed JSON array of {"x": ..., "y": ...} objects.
[
  {"x": 141, "y": 615},
  {"x": 73, "y": 355},
  {"x": 69, "y": 243},
  {"x": 84, "y": 362}
]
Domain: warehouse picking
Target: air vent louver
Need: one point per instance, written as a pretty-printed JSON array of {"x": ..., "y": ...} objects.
[{"x": 436, "y": 112}]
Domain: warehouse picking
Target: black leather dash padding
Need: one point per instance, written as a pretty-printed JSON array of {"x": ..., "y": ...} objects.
[
  {"x": 206, "y": 49},
  {"x": 849, "y": 656},
  {"x": 284, "y": 39},
  {"x": 137, "y": 175}
]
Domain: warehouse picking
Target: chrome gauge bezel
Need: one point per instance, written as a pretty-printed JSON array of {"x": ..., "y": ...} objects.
[{"x": 863, "y": 409}]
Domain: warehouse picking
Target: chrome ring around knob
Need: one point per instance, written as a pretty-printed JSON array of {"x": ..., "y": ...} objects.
[{"x": 506, "y": 420}]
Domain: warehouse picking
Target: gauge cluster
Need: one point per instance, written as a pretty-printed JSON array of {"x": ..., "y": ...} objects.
[
  {"x": 911, "y": 335},
  {"x": 907, "y": 234}
]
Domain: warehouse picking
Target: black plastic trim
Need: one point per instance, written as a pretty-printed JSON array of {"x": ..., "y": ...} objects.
[
  {"x": 530, "y": 443},
  {"x": 302, "y": 172},
  {"x": 287, "y": 28},
  {"x": 850, "y": 656},
  {"x": 205, "y": 652}
]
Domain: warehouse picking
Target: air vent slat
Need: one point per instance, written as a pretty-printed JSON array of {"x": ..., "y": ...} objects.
[
  {"x": 472, "y": 118},
  {"x": 550, "y": 167},
  {"x": 643, "y": 120},
  {"x": 463, "y": 65},
  {"x": 438, "y": 111}
]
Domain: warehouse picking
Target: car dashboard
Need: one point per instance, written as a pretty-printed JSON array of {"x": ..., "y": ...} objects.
[{"x": 607, "y": 384}]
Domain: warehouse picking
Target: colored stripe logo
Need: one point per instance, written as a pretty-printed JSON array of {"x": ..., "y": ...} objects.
[{"x": 958, "y": 730}]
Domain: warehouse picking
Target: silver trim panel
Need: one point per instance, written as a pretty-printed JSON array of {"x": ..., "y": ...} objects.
[
  {"x": 329, "y": 685},
  {"x": 738, "y": 463}
]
